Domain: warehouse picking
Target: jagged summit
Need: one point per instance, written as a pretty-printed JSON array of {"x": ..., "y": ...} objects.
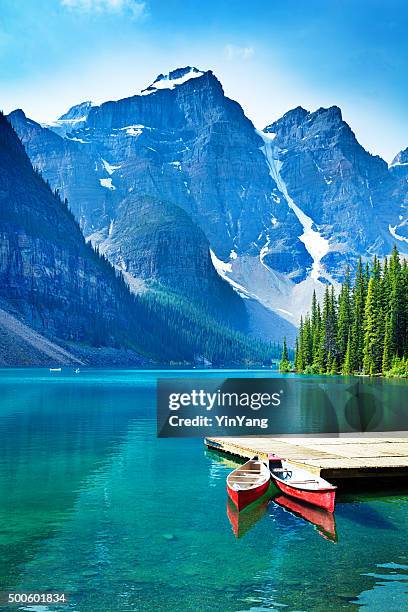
[
  {"x": 299, "y": 115},
  {"x": 332, "y": 112},
  {"x": 78, "y": 112},
  {"x": 18, "y": 112},
  {"x": 173, "y": 79},
  {"x": 401, "y": 159},
  {"x": 295, "y": 115}
]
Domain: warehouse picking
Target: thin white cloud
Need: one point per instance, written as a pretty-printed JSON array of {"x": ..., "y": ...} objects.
[
  {"x": 235, "y": 52},
  {"x": 135, "y": 8}
]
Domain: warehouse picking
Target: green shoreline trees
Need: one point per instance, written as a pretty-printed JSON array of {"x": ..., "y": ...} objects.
[{"x": 363, "y": 330}]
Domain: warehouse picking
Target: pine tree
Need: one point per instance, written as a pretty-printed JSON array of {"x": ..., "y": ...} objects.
[
  {"x": 297, "y": 363},
  {"x": 307, "y": 349},
  {"x": 358, "y": 308},
  {"x": 317, "y": 365},
  {"x": 344, "y": 318},
  {"x": 373, "y": 349},
  {"x": 387, "y": 351},
  {"x": 396, "y": 305},
  {"x": 285, "y": 365},
  {"x": 347, "y": 368},
  {"x": 300, "y": 365}
]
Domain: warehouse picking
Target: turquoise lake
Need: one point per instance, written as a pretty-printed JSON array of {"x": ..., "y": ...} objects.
[{"x": 94, "y": 505}]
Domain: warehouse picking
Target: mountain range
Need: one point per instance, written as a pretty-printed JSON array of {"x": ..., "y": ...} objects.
[
  {"x": 62, "y": 302},
  {"x": 180, "y": 192}
]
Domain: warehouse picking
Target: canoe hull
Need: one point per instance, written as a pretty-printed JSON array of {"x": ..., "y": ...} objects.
[
  {"x": 323, "y": 498},
  {"x": 243, "y": 498}
]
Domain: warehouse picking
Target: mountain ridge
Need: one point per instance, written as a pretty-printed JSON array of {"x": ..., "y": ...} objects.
[{"x": 285, "y": 209}]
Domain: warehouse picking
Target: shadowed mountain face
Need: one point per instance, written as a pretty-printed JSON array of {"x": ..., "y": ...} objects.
[
  {"x": 47, "y": 272},
  {"x": 283, "y": 211},
  {"x": 53, "y": 282}
]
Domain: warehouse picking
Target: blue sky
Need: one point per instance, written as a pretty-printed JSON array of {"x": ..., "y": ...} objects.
[{"x": 270, "y": 55}]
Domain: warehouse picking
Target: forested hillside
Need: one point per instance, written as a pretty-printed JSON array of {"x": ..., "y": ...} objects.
[{"x": 364, "y": 329}]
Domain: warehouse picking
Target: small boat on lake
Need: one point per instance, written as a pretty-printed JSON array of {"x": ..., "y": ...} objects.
[
  {"x": 303, "y": 485},
  {"x": 248, "y": 483}
]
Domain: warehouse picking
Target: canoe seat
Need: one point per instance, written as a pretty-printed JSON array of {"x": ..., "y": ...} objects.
[{"x": 302, "y": 481}]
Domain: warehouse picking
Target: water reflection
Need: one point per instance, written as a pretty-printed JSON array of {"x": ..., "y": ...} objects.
[
  {"x": 323, "y": 521},
  {"x": 242, "y": 522}
]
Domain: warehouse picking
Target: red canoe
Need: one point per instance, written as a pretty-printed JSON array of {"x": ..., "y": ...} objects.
[
  {"x": 302, "y": 484},
  {"x": 248, "y": 483}
]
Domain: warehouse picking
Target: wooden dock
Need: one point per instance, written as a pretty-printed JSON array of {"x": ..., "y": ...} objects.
[{"x": 352, "y": 456}]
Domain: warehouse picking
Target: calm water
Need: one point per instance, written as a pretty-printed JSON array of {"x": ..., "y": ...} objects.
[{"x": 93, "y": 504}]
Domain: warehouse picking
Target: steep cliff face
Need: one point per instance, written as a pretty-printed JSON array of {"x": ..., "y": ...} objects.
[
  {"x": 47, "y": 271},
  {"x": 65, "y": 164}
]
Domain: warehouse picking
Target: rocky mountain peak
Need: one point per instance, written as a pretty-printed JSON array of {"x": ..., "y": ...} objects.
[
  {"x": 18, "y": 114},
  {"x": 333, "y": 113},
  {"x": 78, "y": 112},
  {"x": 401, "y": 159},
  {"x": 173, "y": 79},
  {"x": 11, "y": 147}
]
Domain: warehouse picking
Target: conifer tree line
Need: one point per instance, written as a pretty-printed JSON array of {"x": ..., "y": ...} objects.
[{"x": 362, "y": 330}]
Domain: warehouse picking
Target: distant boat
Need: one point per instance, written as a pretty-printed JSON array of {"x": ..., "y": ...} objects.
[
  {"x": 323, "y": 520},
  {"x": 55, "y": 369},
  {"x": 77, "y": 370},
  {"x": 248, "y": 483},
  {"x": 302, "y": 484}
]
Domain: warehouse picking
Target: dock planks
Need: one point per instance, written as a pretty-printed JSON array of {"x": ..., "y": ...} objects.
[{"x": 354, "y": 456}]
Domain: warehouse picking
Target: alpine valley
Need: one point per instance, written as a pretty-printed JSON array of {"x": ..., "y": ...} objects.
[{"x": 209, "y": 221}]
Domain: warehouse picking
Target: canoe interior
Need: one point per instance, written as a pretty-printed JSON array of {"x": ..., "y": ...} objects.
[
  {"x": 299, "y": 478},
  {"x": 252, "y": 474}
]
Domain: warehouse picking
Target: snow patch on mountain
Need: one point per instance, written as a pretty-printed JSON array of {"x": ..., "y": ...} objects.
[
  {"x": 264, "y": 251},
  {"x": 172, "y": 79},
  {"x": 110, "y": 168},
  {"x": 223, "y": 268},
  {"x": 393, "y": 232},
  {"x": 74, "y": 139},
  {"x": 176, "y": 165},
  {"x": 133, "y": 130},
  {"x": 272, "y": 289},
  {"x": 107, "y": 182},
  {"x": 316, "y": 245},
  {"x": 398, "y": 164}
]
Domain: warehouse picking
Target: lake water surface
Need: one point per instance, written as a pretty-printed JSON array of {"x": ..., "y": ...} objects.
[{"x": 93, "y": 504}]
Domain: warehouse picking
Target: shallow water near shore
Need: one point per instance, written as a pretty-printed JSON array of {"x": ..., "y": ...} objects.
[{"x": 94, "y": 505}]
